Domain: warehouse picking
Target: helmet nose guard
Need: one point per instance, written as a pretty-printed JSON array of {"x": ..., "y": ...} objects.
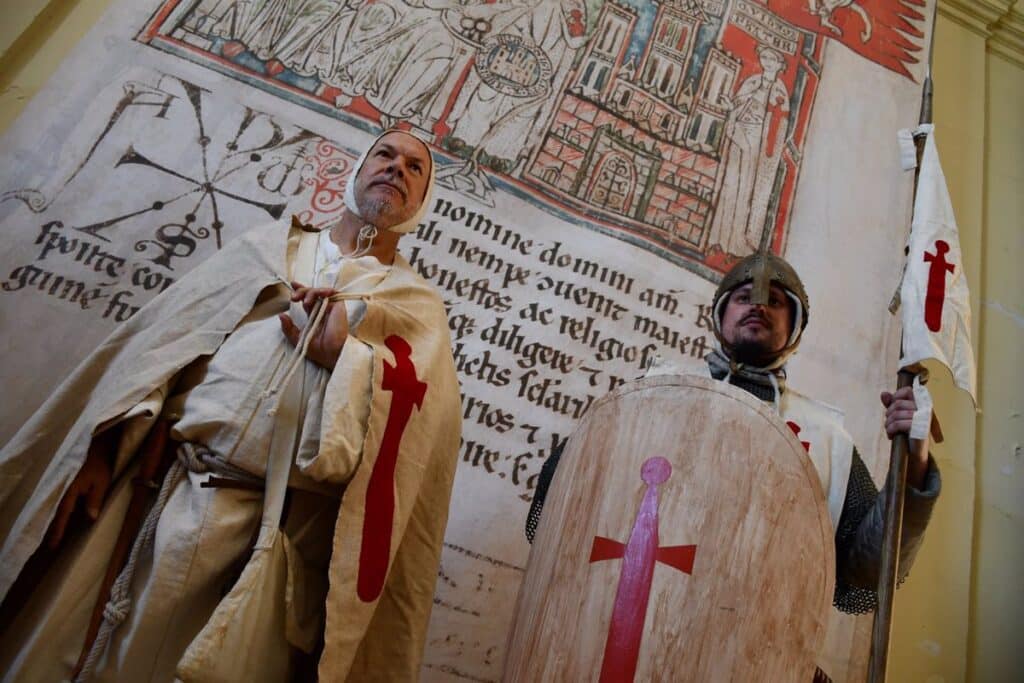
[{"x": 762, "y": 269}]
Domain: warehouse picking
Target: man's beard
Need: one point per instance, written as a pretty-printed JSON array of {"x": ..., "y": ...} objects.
[
  {"x": 753, "y": 352},
  {"x": 372, "y": 209}
]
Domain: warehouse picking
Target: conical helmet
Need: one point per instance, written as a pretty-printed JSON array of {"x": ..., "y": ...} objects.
[{"x": 762, "y": 269}]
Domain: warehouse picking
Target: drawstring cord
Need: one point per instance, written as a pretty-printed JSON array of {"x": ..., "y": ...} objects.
[
  {"x": 364, "y": 242},
  {"x": 295, "y": 358}
]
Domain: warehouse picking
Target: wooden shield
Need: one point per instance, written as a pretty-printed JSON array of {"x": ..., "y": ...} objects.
[{"x": 693, "y": 462}]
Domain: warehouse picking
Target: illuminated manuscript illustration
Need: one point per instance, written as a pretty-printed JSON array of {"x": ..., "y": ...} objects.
[{"x": 676, "y": 125}]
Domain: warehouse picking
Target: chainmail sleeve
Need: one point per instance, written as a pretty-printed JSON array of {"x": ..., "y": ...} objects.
[
  {"x": 861, "y": 494},
  {"x": 859, "y": 538},
  {"x": 547, "y": 473}
]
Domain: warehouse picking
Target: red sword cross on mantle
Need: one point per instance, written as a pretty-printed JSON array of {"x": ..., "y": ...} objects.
[
  {"x": 406, "y": 392},
  {"x": 622, "y": 648}
]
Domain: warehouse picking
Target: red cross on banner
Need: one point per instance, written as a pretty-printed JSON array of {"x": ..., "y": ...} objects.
[
  {"x": 936, "y": 292},
  {"x": 934, "y": 297}
]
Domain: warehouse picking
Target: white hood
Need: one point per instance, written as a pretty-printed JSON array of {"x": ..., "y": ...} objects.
[{"x": 350, "y": 186}]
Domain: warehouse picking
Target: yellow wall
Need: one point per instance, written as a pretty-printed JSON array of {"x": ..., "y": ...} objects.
[
  {"x": 35, "y": 36},
  {"x": 931, "y": 615},
  {"x": 960, "y": 616},
  {"x": 997, "y": 595},
  {"x": 17, "y": 16}
]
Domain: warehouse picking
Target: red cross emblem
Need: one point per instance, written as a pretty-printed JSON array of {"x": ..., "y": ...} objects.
[
  {"x": 935, "y": 295},
  {"x": 796, "y": 431},
  {"x": 406, "y": 392}
]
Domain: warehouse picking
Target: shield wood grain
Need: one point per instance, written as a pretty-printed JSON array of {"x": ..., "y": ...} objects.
[{"x": 685, "y": 537}]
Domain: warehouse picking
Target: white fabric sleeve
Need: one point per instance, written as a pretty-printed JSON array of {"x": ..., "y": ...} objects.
[{"x": 922, "y": 420}]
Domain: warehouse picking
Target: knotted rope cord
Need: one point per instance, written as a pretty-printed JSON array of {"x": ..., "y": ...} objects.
[
  {"x": 364, "y": 242},
  {"x": 297, "y": 354},
  {"x": 189, "y": 459},
  {"x": 319, "y": 314}
]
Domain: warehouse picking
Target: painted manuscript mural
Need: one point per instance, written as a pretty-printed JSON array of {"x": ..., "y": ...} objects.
[
  {"x": 678, "y": 126},
  {"x": 599, "y": 164}
]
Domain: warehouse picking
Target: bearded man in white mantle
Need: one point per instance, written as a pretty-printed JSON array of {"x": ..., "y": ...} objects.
[
  {"x": 301, "y": 386},
  {"x": 759, "y": 314}
]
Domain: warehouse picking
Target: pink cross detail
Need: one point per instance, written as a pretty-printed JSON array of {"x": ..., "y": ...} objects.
[{"x": 622, "y": 648}]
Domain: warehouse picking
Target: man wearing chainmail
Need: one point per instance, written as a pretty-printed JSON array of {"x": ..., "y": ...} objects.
[
  {"x": 302, "y": 384},
  {"x": 759, "y": 313}
]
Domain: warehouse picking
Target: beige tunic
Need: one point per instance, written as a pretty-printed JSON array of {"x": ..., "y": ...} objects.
[
  {"x": 219, "y": 401},
  {"x": 205, "y": 534},
  {"x": 818, "y": 426}
]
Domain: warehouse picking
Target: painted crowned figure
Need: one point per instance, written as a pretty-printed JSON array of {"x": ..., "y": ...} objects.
[
  {"x": 298, "y": 389},
  {"x": 754, "y": 138}
]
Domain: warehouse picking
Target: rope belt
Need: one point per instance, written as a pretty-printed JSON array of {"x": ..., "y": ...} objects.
[{"x": 189, "y": 459}]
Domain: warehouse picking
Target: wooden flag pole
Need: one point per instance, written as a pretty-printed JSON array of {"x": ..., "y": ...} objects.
[{"x": 896, "y": 479}]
